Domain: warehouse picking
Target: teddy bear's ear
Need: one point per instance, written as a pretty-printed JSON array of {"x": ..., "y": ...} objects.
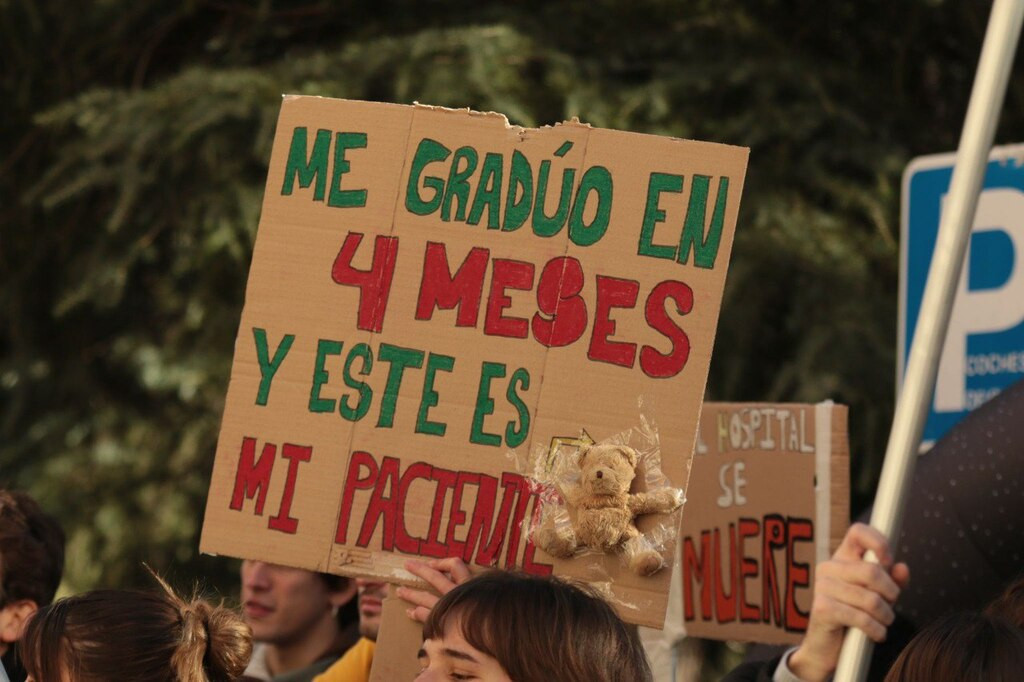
[
  {"x": 581, "y": 454},
  {"x": 630, "y": 455}
]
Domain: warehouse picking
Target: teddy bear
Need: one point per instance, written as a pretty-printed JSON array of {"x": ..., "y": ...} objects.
[{"x": 602, "y": 510}]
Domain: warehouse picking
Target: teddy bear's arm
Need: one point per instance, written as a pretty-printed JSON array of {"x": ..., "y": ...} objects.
[{"x": 662, "y": 500}]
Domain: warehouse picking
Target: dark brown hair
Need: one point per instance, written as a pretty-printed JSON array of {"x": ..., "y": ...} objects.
[
  {"x": 136, "y": 636},
  {"x": 31, "y": 550},
  {"x": 541, "y": 629},
  {"x": 962, "y": 646},
  {"x": 348, "y": 614},
  {"x": 1010, "y": 604}
]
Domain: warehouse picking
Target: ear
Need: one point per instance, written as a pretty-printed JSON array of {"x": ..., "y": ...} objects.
[
  {"x": 13, "y": 619},
  {"x": 630, "y": 455},
  {"x": 581, "y": 454},
  {"x": 344, "y": 594}
]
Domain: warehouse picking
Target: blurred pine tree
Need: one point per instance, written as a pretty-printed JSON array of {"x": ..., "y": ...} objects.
[{"x": 133, "y": 156}]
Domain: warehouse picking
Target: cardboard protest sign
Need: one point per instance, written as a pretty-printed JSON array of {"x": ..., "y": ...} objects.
[
  {"x": 436, "y": 295},
  {"x": 768, "y": 499}
]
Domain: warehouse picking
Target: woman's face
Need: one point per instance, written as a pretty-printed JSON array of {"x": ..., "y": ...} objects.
[{"x": 452, "y": 658}]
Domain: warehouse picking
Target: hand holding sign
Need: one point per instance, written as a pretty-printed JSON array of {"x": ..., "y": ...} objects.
[
  {"x": 441, "y": 574},
  {"x": 849, "y": 592}
]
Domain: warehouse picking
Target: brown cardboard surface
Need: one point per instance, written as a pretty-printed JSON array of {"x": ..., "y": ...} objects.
[
  {"x": 356, "y": 493},
  {"x": 398, "y": 643},
  {"x": 770, "y": 485}
]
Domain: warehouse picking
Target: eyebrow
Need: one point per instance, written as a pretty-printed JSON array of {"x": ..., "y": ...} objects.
[{"x": 461, "y": 655}]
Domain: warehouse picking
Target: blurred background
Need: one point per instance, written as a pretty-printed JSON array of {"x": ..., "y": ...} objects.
[{"x": 134, "y": 141}]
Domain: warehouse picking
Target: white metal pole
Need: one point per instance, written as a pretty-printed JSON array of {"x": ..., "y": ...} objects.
[{"x": 913, "y": 402}]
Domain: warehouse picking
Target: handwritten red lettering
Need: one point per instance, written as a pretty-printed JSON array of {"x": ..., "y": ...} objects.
[{"x": 374, "y": 284}]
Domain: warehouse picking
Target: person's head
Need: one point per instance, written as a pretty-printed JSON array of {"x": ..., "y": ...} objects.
[
  {"x": 285, "y": 605},
  {"x": 962, "y": 646},
  {"x": 109, "y": 635},
  {"x": 371, "y": 597},
  {"x": 31, "y": 562},
  {"x": 504, "y": 626}
]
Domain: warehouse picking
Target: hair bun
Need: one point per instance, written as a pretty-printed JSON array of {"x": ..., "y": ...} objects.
[
  {"x": 188, "y": 660},
  {"x": 215, "y": 643}
]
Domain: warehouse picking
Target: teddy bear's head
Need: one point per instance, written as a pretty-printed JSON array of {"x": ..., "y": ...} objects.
[{"x": 607, "y": 469}]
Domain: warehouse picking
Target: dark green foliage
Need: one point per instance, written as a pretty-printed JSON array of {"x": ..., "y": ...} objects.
[{"x": 135, "y": 138}]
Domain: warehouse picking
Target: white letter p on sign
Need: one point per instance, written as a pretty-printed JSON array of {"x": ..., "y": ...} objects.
[{"x": 983, "y": 311}]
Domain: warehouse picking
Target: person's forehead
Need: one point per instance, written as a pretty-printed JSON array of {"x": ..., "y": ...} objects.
[
  {"x": 452, "y": 638},
  {"x": 300, "y": 578},
  {"x": 291, "y": 570},
  {"x": 289, "y": 573}
]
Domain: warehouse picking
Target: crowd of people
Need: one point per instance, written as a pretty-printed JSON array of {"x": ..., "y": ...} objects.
[
  {"x": 299, "y": 626},
  {"x": 296, "y": 625}
]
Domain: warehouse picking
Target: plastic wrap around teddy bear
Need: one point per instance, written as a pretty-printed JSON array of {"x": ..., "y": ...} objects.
[{"x": 602, "y": 510}]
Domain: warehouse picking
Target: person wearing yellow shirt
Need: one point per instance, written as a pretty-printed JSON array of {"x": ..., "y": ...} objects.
[{"x": 354, "y": 666}]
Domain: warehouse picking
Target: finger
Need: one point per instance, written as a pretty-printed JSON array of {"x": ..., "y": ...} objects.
[
  {"x": 418, "y": 613},
  {"x": 867, "y": 575},
  {"x": 861, "y": 538},
  {"x": 901, "y": 575},
  {"x": 453, "y": 566},
  {"x": 433, "y": 577},
  {"x": 859, "y": 598},
  {"x": 855, "y": 618},
  {"x": 418, "y": 597}
]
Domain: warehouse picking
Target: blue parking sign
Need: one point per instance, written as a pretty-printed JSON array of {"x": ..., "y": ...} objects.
[{"x": 984, "y": 348}]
